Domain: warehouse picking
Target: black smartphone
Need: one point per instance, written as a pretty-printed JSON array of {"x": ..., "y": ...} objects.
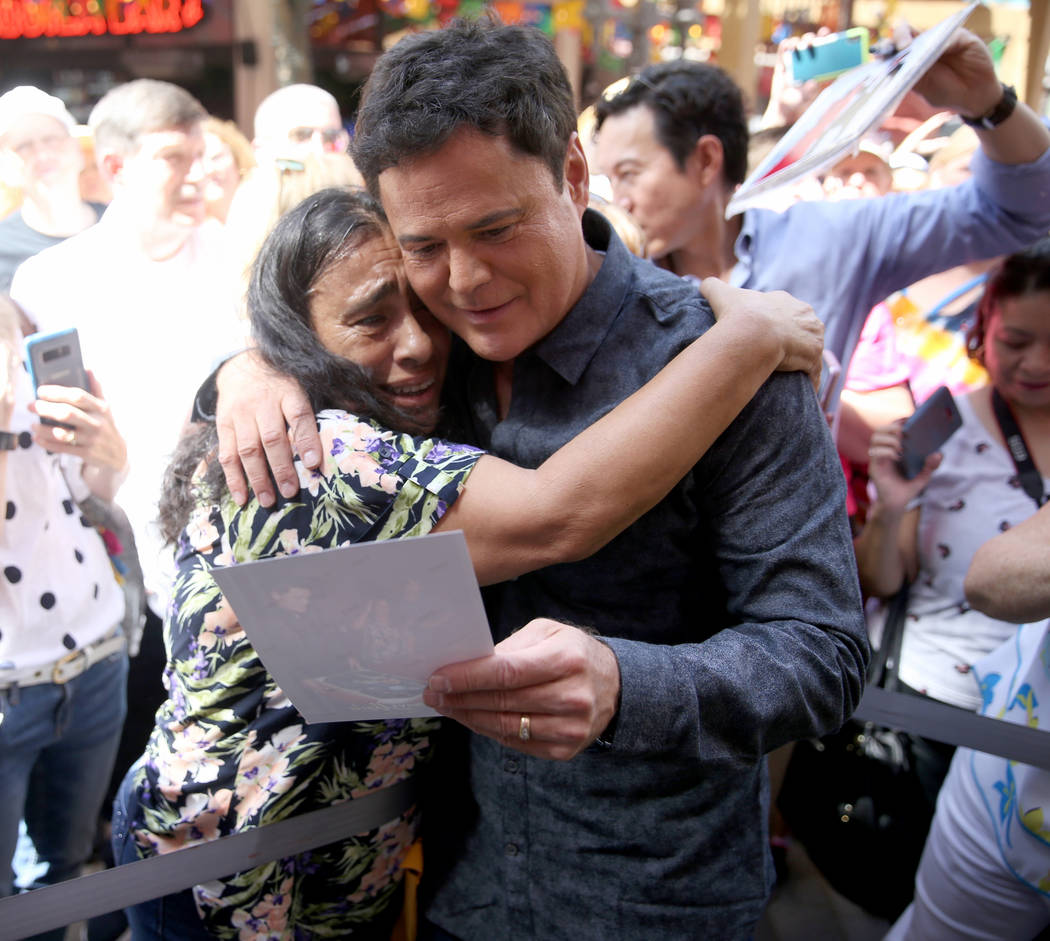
[
  {"x": 55, "y": 359},
  {"x": 932, "y": 423}
]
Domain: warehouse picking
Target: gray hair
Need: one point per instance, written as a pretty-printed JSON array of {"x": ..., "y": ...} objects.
[{"x": 140, "y": 107}]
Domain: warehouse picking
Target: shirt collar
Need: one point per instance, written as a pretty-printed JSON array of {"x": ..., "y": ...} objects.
[
  {"x": 571, "y": 345},
  {"x": 742, "y": 249}
]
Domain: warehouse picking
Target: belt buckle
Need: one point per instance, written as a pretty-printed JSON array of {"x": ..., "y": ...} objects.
[{"x": 65, "y": 661}]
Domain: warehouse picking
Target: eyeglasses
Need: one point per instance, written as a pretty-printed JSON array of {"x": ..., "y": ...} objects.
[{"x": 330, "y": 136}]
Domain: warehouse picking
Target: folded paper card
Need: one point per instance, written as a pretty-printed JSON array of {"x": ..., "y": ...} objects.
[{"x": 354, "y": 633}]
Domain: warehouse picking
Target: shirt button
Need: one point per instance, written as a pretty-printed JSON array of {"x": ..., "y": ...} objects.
[
  {"x": 511, "y": 766},
  {"x": 511, "y": 849}
]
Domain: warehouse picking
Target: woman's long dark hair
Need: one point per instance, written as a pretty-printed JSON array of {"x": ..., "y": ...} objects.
[
  {"x": 1024, "y": 272},
  {"x": 323, "y": 229}
]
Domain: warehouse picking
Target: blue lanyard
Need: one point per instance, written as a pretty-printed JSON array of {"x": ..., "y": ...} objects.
[{"x": 956, "y": 294}]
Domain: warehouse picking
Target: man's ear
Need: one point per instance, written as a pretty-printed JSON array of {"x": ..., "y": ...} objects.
[
  {"x": 576, "y": 174},
  {"x": 706, "y": 161},
  {"x": 110, "y": 165}
]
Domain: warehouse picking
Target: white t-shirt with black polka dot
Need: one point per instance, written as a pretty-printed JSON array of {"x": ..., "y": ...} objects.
[{"x": 58, "y": 592}]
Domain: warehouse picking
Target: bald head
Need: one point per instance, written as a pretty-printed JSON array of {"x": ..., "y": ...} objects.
[{"x": 298, "y": 120}]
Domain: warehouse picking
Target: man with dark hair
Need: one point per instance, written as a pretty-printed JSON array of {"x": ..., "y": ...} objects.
[
  {"x": 673, "y": 144},
  {"x": 519, "y": 97},
  {"x": 722, "y": 624},
  {"x": 687, "y": 100}
]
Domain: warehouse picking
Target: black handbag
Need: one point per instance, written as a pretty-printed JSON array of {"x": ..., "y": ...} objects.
[{"x": 854, "y": 801}]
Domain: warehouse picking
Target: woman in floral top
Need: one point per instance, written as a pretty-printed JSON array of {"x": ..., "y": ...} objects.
[{"x": 330, "y": 307}]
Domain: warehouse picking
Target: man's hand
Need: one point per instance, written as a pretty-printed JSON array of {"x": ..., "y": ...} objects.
[
  {"x": 564, "y": 681},
  {"x": 963, "y": 78},
  {"x": 791, "y": 322},
  {"x": 255, "y": 408}
]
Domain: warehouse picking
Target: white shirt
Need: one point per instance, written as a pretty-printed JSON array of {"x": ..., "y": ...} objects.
[
  {"x": 151, "y": 331},
  {"x": 969, "y": 499}
]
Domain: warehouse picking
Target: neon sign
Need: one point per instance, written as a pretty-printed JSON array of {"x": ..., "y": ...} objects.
[{"x": 26, "y": 19}]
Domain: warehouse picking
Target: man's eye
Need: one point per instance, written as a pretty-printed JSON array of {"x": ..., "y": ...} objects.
[
  {"x": 421, "y": 252},
  {"x": 497, "y": 233}
]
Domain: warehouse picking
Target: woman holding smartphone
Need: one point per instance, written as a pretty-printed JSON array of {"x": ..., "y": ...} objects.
[
  {"x": 926, "y": 530},
  {"x": 63, "y": 656}
]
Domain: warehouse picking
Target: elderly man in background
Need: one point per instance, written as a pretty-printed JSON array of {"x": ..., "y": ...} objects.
[
  {"x": 41, "y": 157},
  {"x": 298, "y": 120}
]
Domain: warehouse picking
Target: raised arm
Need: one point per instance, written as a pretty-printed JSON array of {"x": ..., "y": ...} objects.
[
  {"x": 1009, "y": 577},
  {"x": 516, "y": 519},
  {"x": 964, "y": 80}
]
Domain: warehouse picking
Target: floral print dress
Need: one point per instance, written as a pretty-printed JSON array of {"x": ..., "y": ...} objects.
[{"x": 230, "y": 752}]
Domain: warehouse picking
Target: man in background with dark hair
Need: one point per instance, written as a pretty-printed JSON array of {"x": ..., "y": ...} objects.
[
  {"x": 673, "y": 144},
  {"x": 724, "y": 623}
]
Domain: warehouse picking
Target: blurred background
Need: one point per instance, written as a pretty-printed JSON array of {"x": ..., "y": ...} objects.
[{"x": 231, "y": 53}]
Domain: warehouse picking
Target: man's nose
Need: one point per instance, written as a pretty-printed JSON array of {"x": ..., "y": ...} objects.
[
  {"x": 197, "y": 171},
  {"x": 466, "y": 272}
]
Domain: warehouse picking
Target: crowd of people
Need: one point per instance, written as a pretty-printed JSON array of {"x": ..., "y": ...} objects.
[{"x": 304, "y": 339}]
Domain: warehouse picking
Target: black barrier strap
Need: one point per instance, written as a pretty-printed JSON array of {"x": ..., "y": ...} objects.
[
  {"x": 62, "y": 904},
  {"x": 955, "y": 726},
  {"x": 132, "y": 883}
]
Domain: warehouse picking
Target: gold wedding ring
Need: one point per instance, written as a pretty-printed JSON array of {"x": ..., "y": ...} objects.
[
  {"x": 524, "y": 732},
  {"x": 73, "y": 438}
]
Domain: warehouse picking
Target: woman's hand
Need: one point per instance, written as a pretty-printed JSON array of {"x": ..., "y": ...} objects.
[
  {"x": 895, "y": 491},
  {"x": 776, "y": 315},
  {"x": 788, "y": 100},
  {"x": 92, "y": 435}
]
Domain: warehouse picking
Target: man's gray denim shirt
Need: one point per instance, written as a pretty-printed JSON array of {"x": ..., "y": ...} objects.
[{"x": 735, "y": 615}]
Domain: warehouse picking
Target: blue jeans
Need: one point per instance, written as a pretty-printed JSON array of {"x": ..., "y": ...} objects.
[
  {"x": 168, "y": 918},
  {"x": 57, "y": 746}
]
